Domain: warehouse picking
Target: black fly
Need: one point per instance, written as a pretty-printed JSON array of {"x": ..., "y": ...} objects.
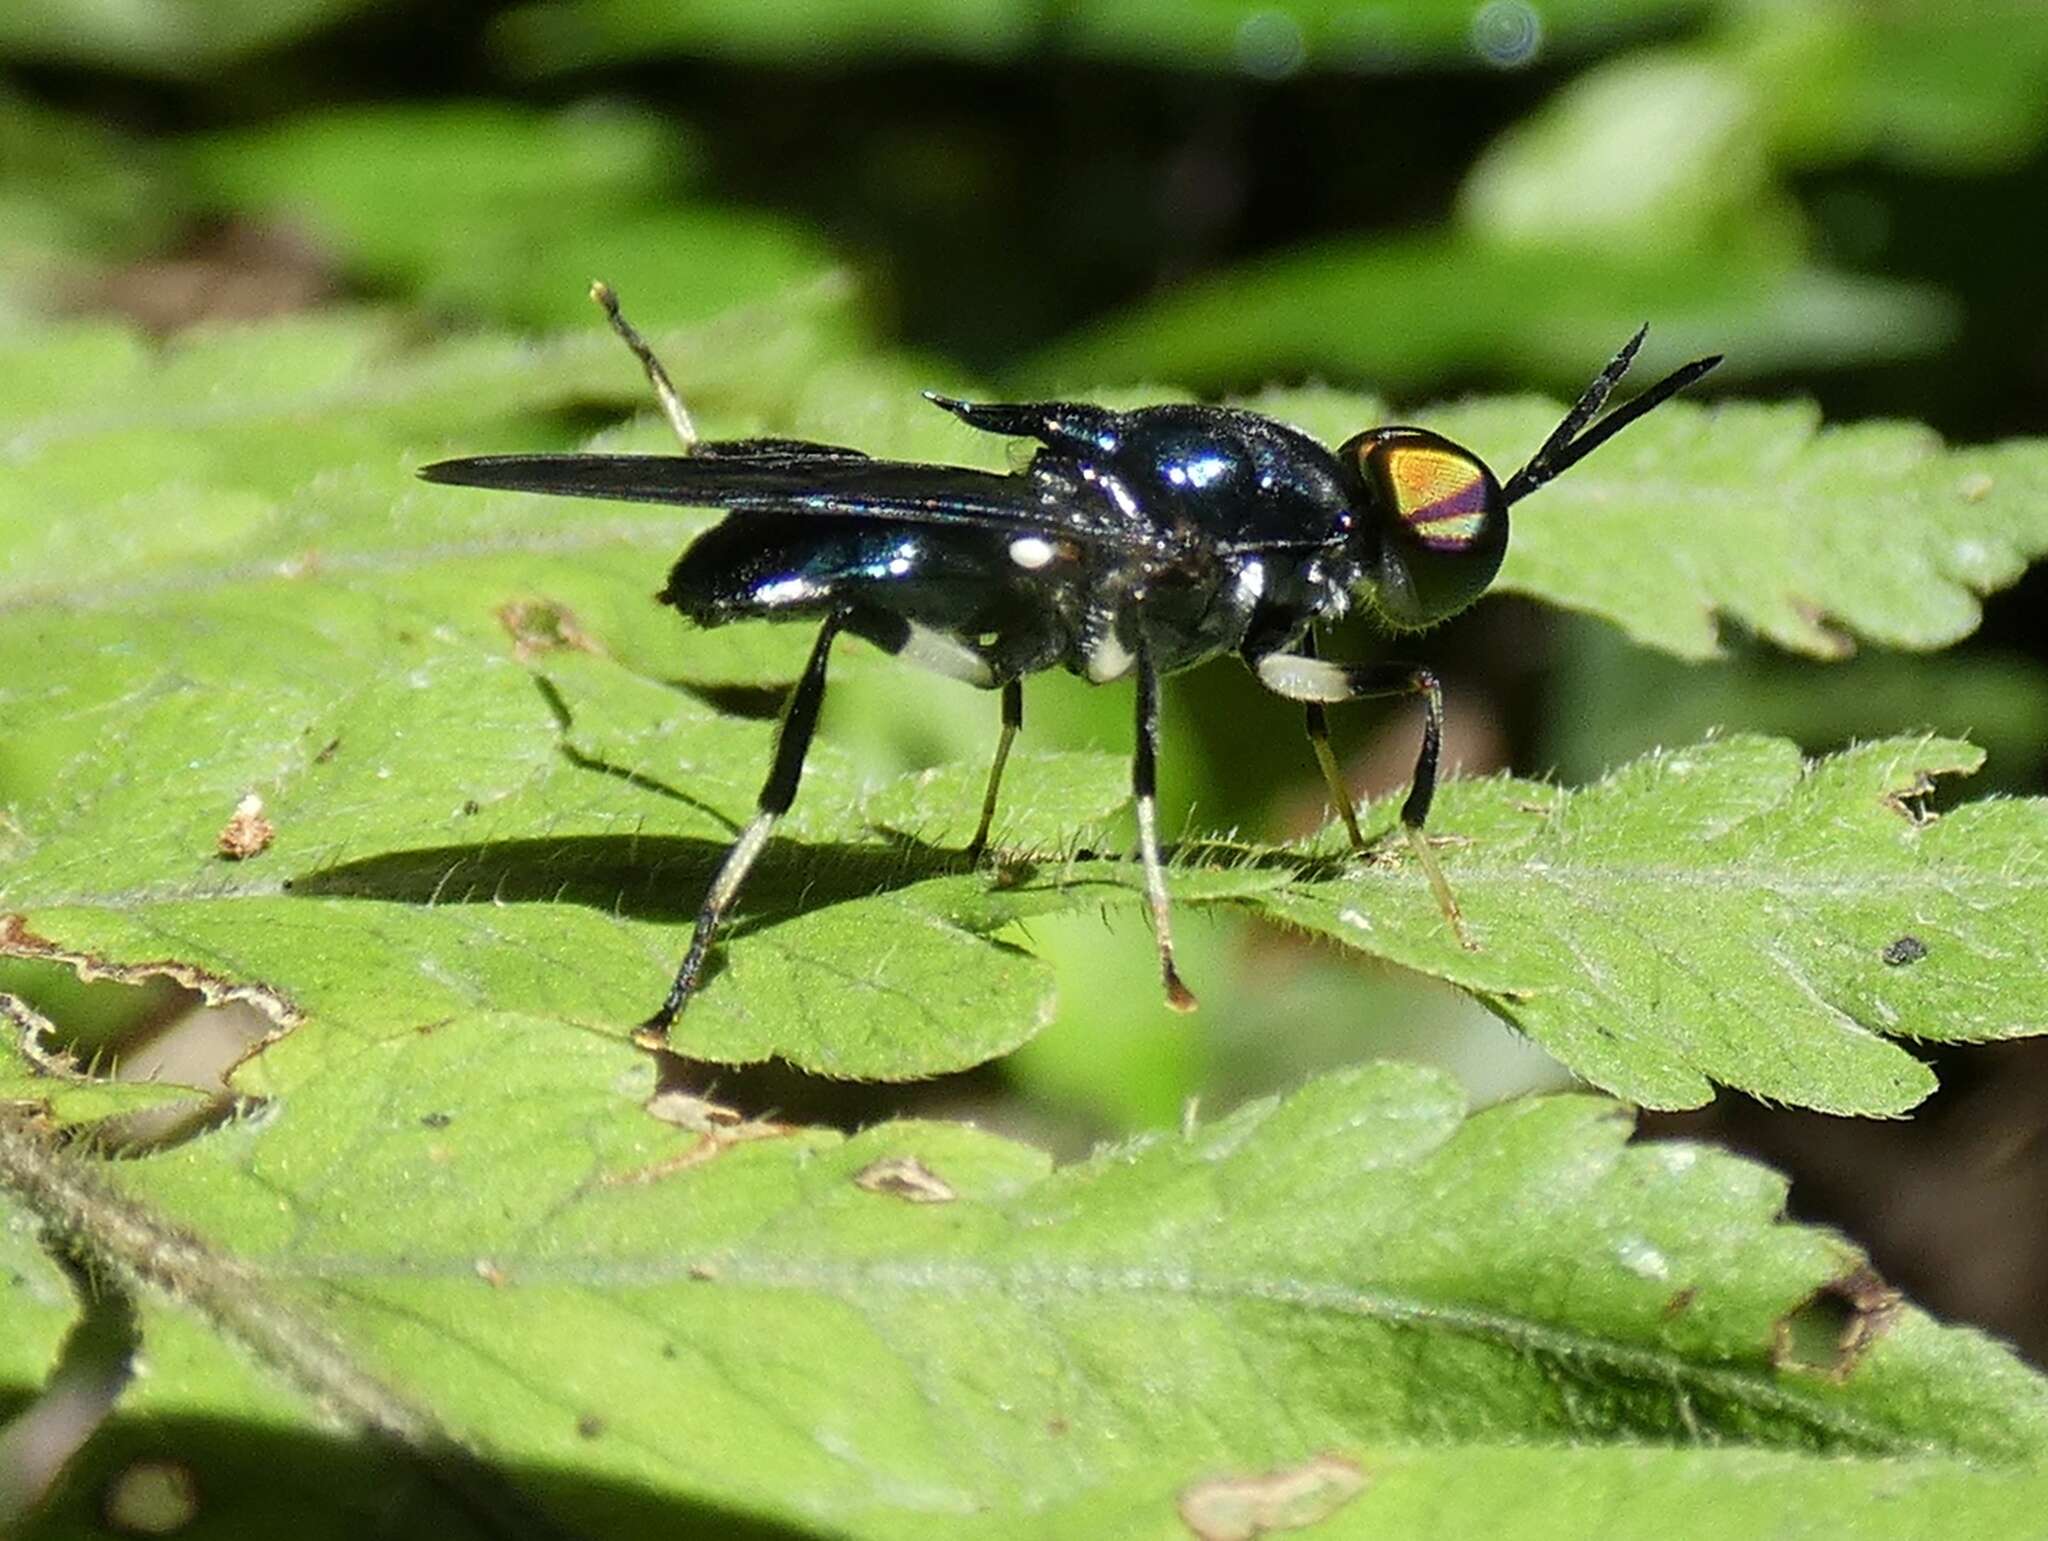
[{"x": 1134, "y": 543}]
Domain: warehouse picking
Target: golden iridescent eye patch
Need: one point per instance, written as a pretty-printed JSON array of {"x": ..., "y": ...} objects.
[{"x": 1439, "y": 494}]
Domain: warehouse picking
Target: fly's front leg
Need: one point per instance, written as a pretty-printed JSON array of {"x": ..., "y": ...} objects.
[
  {"x": 1145, "y": 786},
  {"x": 1013, "y": 721},
  {"x": 672, "y": 406},
  {"x": 792, "y": 742},
  {"x": 1305, "y": 677}
]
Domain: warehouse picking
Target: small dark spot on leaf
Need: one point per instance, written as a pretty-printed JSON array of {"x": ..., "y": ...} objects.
[
  {"x": 1830, "y": 1331},
  {"x": 151, "y": 1498},
  {"x": 907, "y": 1178},
  {"x": 703, "y": 1273},
  {"x": 668, "y": 1351},
  {"x": 1681, "y": 1302},
  {"x": 1907, "y": 949},
  {"x": 437, "y": 1120},
  {"x": 1239, "y": 1508},
  {"x": 248, "y": 833},
  {"x": 539, "y": 626},
  {"x": 428, "y": 1029},
  {"x": 1057, "y": 1426},
  {"x": 471, "y": 807},
  {"x": 589, "y": 1426},
  {"x": 327, "y": 751}
]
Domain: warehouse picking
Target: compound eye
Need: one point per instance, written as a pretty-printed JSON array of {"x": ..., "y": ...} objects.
[
  {"x": 1440, "y": 518},
  {"x": 1444, "y": 497}
]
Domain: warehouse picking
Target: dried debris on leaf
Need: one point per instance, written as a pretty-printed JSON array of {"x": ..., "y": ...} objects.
[
  {"x": 539, "y": 626},
  {"x": 248, "y": 833},
  {"x": 1243, "y": 1508},
  {"x": 907, "y": 1178}
]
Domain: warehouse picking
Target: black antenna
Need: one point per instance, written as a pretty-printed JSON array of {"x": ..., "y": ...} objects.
[{"x": 1567, "y": 446}]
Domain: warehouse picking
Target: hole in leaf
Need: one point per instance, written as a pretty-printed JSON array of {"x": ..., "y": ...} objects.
[{"x": 1833, "y": 1328}]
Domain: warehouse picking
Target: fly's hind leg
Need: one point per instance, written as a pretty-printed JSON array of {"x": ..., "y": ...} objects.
[
  {"x": 665, "y": 392},
  {"x": 1307, "y": 678},
  {"x": 792, "y": 743}
]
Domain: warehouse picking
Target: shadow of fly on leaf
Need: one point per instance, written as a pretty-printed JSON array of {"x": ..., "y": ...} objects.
[{"x": 1132, "y": 544}]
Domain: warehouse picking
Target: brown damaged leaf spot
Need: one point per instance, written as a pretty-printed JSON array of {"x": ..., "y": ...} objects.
[
  {"x": 1830, "y": 1331},
  {"x": 1243, "y": 1508},
  {"x": 1905, "y": 801},
  {"x": 1681, "y": 1302},
  {"x": 1829, "y": 640},
  {"x": 17, "y": 941},
  {"x": 718, "y": 1128},
  {"x": 34, "y": 1033},
  {"x": 248, "y": 833},
  {"x": 539, "y": 626},
  {"x": 906, "y": 1178}
]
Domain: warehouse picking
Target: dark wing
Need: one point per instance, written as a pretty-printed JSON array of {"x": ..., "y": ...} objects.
[{"x": 791, "y": 477}]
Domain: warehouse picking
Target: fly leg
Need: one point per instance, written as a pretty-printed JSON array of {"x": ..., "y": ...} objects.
[
  {"x": 672, "y": 406},
  {"x": 944, "y": 653},
  {"x": 1318, "y": 722},
  {"x": 1013, "y": 720},
  {"x": 1305, "y": 677},
  {"x": 792, "y": 742},
  {"x": 1145, "y": 786}
]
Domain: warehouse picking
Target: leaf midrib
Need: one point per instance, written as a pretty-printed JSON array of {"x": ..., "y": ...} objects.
[{"x": 857, "y": 1285}]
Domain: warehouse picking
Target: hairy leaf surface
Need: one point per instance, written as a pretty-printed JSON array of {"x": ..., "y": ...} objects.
[
  {"x": 481, "y": 798},
  {"x": 1726, "y": 913},
  {"x": 925, "y": 1326}
]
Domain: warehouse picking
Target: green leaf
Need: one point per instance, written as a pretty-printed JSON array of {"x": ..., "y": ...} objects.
[
  {"x": 1550, "y": 1495},
  {"x": 1956, "y": 87},
  {"x": 923, "y": 1327},
  {"x": 403, "y": 751},
  {"x": 449, "y": 704},
  {"x": 1799, "y": 533},
  {"x": 1727, "y": 913},
  {"x": 85, "y": 1100},
  {"x": 161, "y": 37},
  {"x": 598, "y": 179},
  {"x": 38, "y": 1305}
]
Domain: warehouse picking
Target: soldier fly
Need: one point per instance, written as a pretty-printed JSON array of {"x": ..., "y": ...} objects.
[{"x": 1135, "y": 543}]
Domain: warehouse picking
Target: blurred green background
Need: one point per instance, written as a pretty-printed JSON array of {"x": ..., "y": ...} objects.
[{"x": 1418, "y": 198}]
